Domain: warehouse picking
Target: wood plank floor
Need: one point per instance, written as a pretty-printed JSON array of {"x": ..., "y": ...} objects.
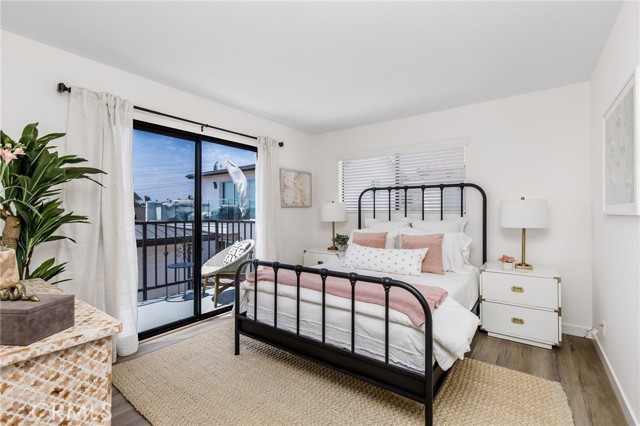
[{"x": 575, "y": 365}]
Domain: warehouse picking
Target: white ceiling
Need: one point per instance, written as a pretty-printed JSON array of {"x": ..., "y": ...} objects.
[{"x": 324, "y": 66}]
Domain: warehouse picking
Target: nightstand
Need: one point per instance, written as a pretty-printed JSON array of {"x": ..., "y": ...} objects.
[
  {"x": 521, "y": 305},
  {"x": 313, "y": 257}
]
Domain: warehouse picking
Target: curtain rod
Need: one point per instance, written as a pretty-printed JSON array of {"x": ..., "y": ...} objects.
[{"x": 64, "y": 88}]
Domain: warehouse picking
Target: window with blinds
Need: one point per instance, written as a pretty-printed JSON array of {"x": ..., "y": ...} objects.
[{"x": 433, "y": 166}]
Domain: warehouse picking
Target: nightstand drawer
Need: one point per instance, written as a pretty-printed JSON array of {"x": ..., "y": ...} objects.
[
  {"x": 312, "y": 258},
  {"x": 521, "y": 322},
  {"x": 520, "y": 289}
]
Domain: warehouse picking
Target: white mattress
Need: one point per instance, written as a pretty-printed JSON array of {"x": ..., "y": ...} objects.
[{"x": 453, "y": 324}]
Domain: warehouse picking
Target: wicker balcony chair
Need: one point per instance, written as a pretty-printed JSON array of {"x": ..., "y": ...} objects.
[{"x": 223, "y": 266}]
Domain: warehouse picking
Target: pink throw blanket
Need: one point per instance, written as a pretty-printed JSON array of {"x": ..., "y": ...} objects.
[{"x": 399, "y": 299}]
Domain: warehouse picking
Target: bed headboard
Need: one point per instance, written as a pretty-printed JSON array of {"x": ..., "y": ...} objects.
[{"x": 414, "y": 188}]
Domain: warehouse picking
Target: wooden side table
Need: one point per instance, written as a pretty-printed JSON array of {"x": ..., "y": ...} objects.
[{"x": 64, "y": 378}]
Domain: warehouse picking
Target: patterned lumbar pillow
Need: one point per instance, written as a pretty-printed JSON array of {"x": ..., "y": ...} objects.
[
  {"x": 236, "y": 251},
  {"x": 395, "y": 261}
]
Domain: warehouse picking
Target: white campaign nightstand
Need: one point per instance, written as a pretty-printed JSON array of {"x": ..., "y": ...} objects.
[
  {"x": 521, "y": 305},
  {"x": 313, "y": 257}
]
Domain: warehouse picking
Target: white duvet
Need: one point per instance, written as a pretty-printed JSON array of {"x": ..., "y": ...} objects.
[{"x": 453, "y": 325}]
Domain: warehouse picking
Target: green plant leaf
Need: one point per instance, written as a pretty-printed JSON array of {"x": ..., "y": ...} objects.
[
  {"x": 29, "y": 134},
  {"x": 32, "y": 187},
  {"x": 51, "y": 136},
  {"x": 47, "y": 270},
  {"x": 4, "y": 139}
]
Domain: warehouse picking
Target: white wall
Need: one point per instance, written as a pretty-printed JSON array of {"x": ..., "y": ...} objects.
[
  {"x": 616, "y": 239},
  {"x": 535, "y": 145},
  {"x": 31, "y": 70}
]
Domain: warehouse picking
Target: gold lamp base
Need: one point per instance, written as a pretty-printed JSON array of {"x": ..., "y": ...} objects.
[
  {"x": 333, "y": 237},
  {"x": 523, "y": 266}
]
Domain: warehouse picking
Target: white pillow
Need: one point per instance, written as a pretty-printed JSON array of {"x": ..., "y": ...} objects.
[
  {"x": 385, "y": 225},
  {"x": 455, "y": 248},
  {"x": 440, "y": 226},
  {"x": 396, "y": 261}
]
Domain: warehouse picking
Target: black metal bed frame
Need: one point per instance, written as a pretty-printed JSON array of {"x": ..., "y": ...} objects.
[
  {"x": 411, "y": 384},
  {"x": 423, "y": 188}
]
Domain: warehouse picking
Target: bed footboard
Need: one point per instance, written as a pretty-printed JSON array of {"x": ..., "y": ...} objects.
[{"x": 411, "y": 384}]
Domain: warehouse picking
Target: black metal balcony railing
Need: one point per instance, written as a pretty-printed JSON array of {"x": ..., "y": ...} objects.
[{"x": 165, "y": 263}]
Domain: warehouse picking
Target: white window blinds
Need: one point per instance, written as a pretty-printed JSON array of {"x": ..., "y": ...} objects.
[{"x": 433, "y": 166}]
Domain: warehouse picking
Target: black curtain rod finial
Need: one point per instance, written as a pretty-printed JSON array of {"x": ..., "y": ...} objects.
[{"x": 63, "y": 88}]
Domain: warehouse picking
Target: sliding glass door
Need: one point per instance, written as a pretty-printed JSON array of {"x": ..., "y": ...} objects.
[
  {"x": 228, "y": 212},
  {"x": 188, "y": 209}
]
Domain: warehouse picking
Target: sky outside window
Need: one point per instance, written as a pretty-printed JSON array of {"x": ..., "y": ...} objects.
[{"x": 161, "y": 163}]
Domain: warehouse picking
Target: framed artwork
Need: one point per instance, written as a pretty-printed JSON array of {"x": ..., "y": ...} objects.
[
  {"x": 621, "y": 156},
  {"x": 295, "y": 188}
]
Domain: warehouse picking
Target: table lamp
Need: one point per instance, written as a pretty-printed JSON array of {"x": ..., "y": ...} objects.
[
  {"x": 333, "y": 212},
  {"x": 524, "y": 214}
]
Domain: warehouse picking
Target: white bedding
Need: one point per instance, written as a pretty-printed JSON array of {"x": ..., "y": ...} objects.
[
  {"x": 462, "y": 286},
  {"x": 453, "y": 324}
]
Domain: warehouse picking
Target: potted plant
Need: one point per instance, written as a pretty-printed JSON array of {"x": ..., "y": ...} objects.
[
  {"x": 31, "y": 176},
  {"x": 507, "y": 262},
  {"x": 341, "y": 240}
]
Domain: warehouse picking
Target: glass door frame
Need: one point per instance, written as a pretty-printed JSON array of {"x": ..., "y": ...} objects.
[{"x": 198, "y": 139}]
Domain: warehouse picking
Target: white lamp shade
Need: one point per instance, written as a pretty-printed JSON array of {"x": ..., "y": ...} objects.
[
  {"x": 333, "y": 212},
  {"x": 524, "y": 214}
]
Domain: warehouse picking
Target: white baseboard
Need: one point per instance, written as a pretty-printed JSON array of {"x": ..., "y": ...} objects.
[
  {"x": 615, "y": 384},
  {"x": 574, "y": 330}
]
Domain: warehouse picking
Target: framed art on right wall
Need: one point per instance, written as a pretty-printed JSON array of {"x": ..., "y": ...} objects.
[
  {"x": 621, "y": 156},
  {"x": 295, "y": 188}
]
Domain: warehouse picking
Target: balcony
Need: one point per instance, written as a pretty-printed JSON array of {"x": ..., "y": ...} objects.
[{"x": 166, "y": 268}]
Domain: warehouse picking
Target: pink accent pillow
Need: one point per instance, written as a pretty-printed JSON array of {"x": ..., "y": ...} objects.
[
  {"x": 433, "y": 260},
  {"x": 369, "y": 239}
]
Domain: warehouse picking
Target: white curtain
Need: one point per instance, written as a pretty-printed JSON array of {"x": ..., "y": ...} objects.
[
  {"x": 268, "y": 220},
  {"x": 102, "y": 264}
]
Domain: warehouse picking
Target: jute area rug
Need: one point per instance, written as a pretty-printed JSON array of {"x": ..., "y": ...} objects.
[{"x": 199, "y": 381}]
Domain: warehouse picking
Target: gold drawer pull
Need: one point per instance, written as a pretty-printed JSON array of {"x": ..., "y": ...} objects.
[
  {"x": 518, "y": 321},
  {"x": 320, "y": 262},
  {"x": 517, "y": 289}
]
